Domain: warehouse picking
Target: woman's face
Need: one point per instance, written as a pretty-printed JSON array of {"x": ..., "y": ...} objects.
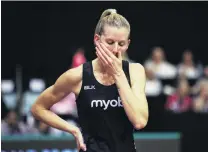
[
  {"x": 115, "y": 39},
  {"x": 187, "y": 57},
  {"x": 158, "y": 55}
]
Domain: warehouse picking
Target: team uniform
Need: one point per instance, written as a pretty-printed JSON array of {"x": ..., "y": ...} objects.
[{"x": 103, "y": 122}]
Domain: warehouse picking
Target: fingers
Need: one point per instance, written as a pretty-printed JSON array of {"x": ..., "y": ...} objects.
[
  {"x": 101, "y": 56},
  {"x": 102, "y": 62},
  {"x": 80, "y": 142},
  {"x": 104, "y": 54},
  {"x": 83, "y": 147},
  {"x": 108, "y": 53},
  {"x": 78, "y": 146},
  {"x": 119, "y": 55}
]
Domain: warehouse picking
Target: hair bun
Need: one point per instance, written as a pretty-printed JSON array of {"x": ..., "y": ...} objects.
[{"x": 108, "y": 12}]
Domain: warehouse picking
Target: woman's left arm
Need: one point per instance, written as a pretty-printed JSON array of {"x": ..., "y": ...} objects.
[{"x": 133, "y": 98}]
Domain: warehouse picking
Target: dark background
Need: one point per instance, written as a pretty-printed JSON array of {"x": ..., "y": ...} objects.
[{"x": 42, "y": 37}]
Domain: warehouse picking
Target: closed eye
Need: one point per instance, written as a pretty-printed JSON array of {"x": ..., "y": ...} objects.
[
  {"x": 122, "y": 44},
  {"x": 110, "y": 42}
]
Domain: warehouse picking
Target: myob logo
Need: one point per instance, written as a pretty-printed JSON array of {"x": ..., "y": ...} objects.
[{"x": 106, "y": 103}]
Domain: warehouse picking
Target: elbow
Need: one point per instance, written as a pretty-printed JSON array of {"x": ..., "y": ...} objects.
[
  {"x": 34, "y": 110},
  {"x": 141, "y": 123}
]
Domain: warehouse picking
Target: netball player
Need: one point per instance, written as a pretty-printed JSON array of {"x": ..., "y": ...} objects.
[{"x": 110, "y": 93}]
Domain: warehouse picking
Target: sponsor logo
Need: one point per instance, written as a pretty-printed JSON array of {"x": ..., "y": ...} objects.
[{"x": 106, "y": 103}]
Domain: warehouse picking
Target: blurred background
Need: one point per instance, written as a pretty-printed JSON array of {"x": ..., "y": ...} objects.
[{"x": 41, "y": 40}]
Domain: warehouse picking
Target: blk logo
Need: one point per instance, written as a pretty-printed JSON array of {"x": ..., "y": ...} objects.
[{"x": 89, "y": 87}]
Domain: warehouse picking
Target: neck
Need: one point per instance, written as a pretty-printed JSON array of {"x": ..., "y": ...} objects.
[
  {"x": 101, "y": 71},
  {"x": 98, "y": 66}
]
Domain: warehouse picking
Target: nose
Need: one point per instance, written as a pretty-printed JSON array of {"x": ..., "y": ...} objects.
[{"x": 115, "y": 49}]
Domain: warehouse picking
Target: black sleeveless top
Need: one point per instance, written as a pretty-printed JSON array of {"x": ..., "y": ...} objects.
[{"x": 103, "y": 122}]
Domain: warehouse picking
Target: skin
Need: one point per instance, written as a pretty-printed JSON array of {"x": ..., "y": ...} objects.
[
  {"x": 188, "y": 58},
  {"x": 107, "y": 69}
]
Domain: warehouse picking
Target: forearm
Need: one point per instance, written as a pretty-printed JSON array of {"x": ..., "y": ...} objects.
[
  {"x": 135, "y": 109},
  {"x": 52, "y": 119}
]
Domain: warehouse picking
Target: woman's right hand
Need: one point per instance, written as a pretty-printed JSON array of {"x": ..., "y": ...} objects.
[{"x": 79, "y": 140}]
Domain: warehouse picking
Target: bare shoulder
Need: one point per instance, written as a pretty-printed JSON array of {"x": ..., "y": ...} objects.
[
  {"x": 137, "y": 75},
  {"x": 68, "y": 81},
  {"x": 74, "y": 77},
  {"x": 75, "y": 74},
  {"x": 136, "y": 68}
]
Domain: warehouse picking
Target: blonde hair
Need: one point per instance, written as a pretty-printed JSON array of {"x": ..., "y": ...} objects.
[{"x": 112, "y": 18}]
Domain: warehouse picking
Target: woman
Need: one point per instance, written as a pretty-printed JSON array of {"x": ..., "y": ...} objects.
[
  {"x": 110, "y": 93},
  {"x": 180, "y": 100},
  {"x": 200, "y": 103},
  {"x": 187, "y": 67}
]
